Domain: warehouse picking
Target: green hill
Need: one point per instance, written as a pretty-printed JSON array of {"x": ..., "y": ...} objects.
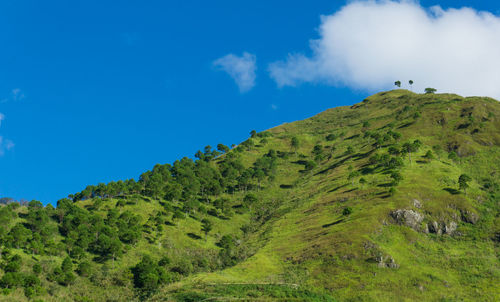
[{"x": 392, "y": 199}]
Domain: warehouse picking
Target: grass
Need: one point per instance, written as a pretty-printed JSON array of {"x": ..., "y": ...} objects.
[
  {"x": 307, "y": 248},
  {"x": 336, "y": 252}
]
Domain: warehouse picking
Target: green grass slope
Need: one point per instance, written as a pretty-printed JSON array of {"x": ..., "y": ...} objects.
[
  {"x": 451, "y": 251},
  {"x": 358, "y": 203}
]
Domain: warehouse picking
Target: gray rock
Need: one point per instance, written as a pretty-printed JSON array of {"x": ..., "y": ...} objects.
[
  {"x": 450, "y": 228},
  {"x": 408, "y": 217},
  {"x": 469, "y": 216},
  {"x": 442, "y": 228},
  {"x": 391, "y": 263},
  {"x": 434, "y": 228},
  {"x": 417, "y": 204}
]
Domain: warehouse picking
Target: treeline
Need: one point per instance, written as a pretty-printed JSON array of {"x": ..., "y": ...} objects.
[
  {"x": 84, "y": 236},
  {"x": 207, "y": 176}
]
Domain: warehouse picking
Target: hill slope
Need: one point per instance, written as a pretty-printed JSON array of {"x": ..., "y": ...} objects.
[{"x": 356, "y": 203}]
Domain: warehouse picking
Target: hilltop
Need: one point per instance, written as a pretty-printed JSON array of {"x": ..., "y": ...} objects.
[{"x": 393, "y": 198}]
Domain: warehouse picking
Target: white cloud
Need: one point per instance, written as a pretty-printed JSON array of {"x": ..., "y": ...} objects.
[
  {"x": 5, "y": 145},
  {"x": 17, "y": 94},
  {"x": 370, "y": 44},
  {"x": 241, "y": 69}
]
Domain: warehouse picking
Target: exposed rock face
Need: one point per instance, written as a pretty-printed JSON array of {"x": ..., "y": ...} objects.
[
  {"x": 442, "y": 228},
  {"x": 450, "y": 228},
  {"x": 387, "y": 262},
  {"x": 408, "y": 217},
  {"x": 469, "y": 216},
  {"x": 417, "y": 204}
]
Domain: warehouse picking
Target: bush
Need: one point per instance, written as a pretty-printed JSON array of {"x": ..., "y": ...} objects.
[
  {"x": 11, "y": 280},
  {"x": 331, "y": 137},
  {"x": 12, "y": 266},
  {"x": 37, "y": 268},
  {"x": 84, "y": 269},
  {"x": 347, "y": 211},
  {"x": 309, "y": 165}
]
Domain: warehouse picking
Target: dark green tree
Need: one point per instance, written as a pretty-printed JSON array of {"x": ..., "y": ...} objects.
[
  {"x": 463, "y": 182},
  {"x": 206, "y": 227}
]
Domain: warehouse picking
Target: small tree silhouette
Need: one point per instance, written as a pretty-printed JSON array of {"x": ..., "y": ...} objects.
[
  {"x": 397, "y": 83},
  {"x": 411, "y": 83},
  {"x": 430, "y": 90}
]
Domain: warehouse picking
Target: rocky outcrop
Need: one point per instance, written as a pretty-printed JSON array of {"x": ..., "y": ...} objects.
[
  {"x": 409, "y": 218},
  {"x": 442, "y": 227},
  {"x": 387, "y": 262},
  {"x": 469, "y": 216}
]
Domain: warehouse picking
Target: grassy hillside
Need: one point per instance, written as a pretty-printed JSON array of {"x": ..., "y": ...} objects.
[{"x": 357, "y": 203}]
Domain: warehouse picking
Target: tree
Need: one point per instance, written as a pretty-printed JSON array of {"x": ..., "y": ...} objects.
[
  {"x": 148, "y": 275},
  {"x": 411, "y": 83},
  {"x": 310, "y": 165},
  {"x": 222, "y": 148},
  {"x": 396, "y": 177},
  {"x": 253, "y": 133},
  {"x": 19, "y": 235},
  {"x": 411, "y": 147},
  {"x": 250, "y": 199},
  {"x": 397, "y": 83},
  {"x": 347, "y": 211},
  {"x": 430, "y": 90},
  {"x": 67, "y": 265},
  {"x": 353, "y": 175},
  {"x": 331, "y": 137},
  {"x": 463, "y": 182},
  {"x": 206, "y": 227},
  {"x": 453, "y": 156},
  {"x": 429, "y": 155}
]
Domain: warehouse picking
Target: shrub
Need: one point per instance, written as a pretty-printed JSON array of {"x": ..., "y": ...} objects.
[{"x": 347, "y": 211}]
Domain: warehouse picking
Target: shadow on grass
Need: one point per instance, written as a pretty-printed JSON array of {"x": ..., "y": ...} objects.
[
  {"x": 452, "y": 191},
  {"x": 335, "y": 189},
  {"x": 333, "y": 223},
  {"x": 335, "y": 165},
  {"x": 194, "y": 236},
  {"x": 386, "y": 185},
  {"x": 406, "y": 125}
]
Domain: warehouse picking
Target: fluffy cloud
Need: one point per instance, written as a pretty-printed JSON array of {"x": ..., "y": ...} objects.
[
  {"x": 370, "y": 44},
  {"x": 241, "y": 69}
]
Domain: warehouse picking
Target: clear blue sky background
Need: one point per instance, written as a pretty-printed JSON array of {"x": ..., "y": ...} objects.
[{"x": 113, "y": 87}]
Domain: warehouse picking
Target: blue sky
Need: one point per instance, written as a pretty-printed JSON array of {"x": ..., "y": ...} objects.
[{"x": 94, "y": 91}]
